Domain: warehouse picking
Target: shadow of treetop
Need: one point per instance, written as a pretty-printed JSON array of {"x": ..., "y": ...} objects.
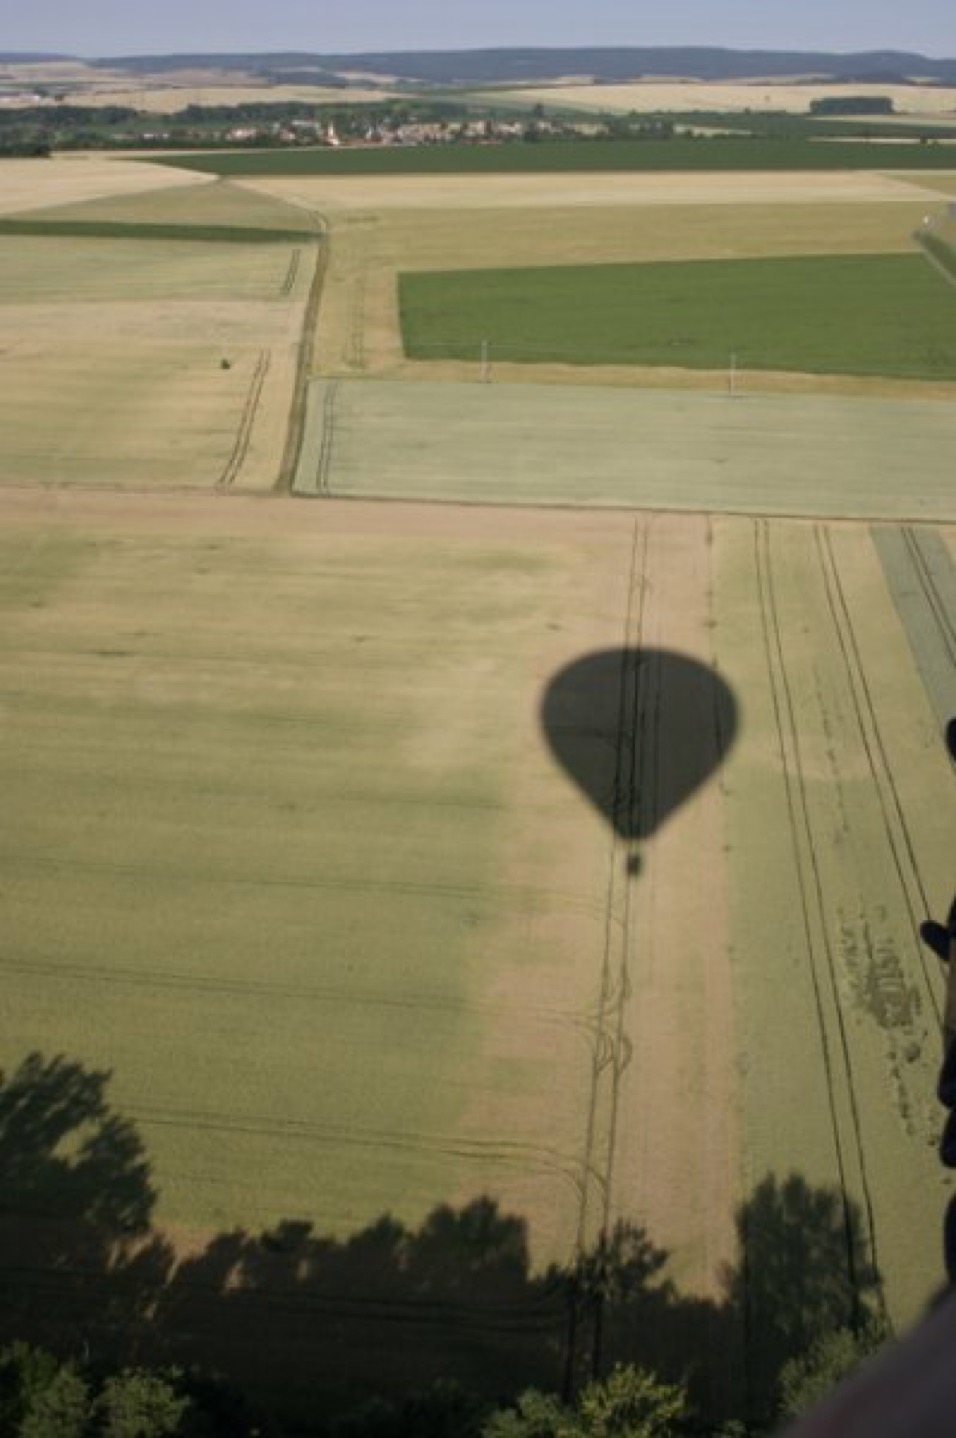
[
  {"x": 309, "y": 1325},
  {"x": 63, "y": 1153}
]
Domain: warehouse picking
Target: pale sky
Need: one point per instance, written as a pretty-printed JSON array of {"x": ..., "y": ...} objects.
[{"x": 117, "y": 27}]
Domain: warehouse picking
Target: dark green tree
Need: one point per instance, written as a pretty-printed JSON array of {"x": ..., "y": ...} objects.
[{"x": 139, "y": 1404}]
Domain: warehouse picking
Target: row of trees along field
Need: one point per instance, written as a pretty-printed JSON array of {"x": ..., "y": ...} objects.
[
  {"x": 42, "y": 1396},
  {"x": 107, "y": 1329},
  {"x": 444, "y": 119}
]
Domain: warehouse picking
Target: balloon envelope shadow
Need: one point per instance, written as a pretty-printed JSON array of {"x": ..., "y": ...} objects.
[{"x": 638, "y": 730}]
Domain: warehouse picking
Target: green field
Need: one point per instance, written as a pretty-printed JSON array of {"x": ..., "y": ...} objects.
[
  {"x": 783, "y": 454},
  {"x": 592, "y": 156},
  {"x": 847, "y": 314}
]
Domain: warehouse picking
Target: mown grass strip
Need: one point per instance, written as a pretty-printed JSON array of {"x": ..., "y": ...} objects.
[
  {"x": 849, "y": 314},
  {"x": 118, "y": 230},
  {"x": 589, "y": 155}
]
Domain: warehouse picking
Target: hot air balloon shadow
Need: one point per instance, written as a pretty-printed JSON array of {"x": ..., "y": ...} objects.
[{"x": 638, "y": 731}]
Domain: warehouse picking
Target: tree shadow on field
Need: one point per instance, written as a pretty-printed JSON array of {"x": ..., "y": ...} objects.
[
  {"x": 806, "y": 1269},
  {"x": 309, "y": 1326}
]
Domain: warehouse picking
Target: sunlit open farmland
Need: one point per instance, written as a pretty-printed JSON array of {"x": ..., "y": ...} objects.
[
  {"x": 662, "y": 95},
  {"x": 380, "y": 228},
  {"x": 65, "y": 179},
  {"x": 141, "y": 363},
  {"x": 445, "y": 893},
  {"x": 249, "y": 943},
  {"x": 822, "y": 314},
  {"x": 749, "y": 451}
]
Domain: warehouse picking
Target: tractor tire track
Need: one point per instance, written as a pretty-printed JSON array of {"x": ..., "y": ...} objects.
[
  {"x": 246, "y": 422},
  {"x": 611, "y": 1047},
  {"x": 323, "y": 467},
  {"x": 842, "y": 1102},
  {"x": 899, "y": 841},
  {"x": 291, "y": 274},
  {"x": 295, "y": 428},
  {"x": 610, "y": 1052},
  {"x": 922, "y": 569},
  {"x": 198, "y": 985},
  {"x": 555, "y": 899},
  {"x": 525, "y": 1157}
]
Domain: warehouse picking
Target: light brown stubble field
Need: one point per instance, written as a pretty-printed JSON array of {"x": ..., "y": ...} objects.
[{"x": 111, "y": 366}]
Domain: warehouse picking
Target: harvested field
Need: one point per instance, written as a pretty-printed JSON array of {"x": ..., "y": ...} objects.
[
  {"x": 40, "y": 270},
  {"x": 254, "y": 946},
  {"x": 333, "y": 194},
  {"x": 756, "y": 96},
  {"x": 679, "y": 450},
  {"x": 159, "y": 99},
  {"x": 130, "y": 338},
  {"x": 69, "y": 179},
  {"x": 220, "y": 204}
]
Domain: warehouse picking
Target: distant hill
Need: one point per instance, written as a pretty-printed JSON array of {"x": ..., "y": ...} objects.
[
  {"x": 488, "y": 67},
  {"x": 30, "y": 57}
]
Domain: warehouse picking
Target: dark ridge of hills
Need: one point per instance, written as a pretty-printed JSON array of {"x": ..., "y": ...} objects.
[
  {"x": 522, "y": 65},
  {"x": 30, "y": 57}
]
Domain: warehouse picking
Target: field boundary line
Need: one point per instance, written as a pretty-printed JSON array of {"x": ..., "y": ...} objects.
[
  {"x": 914, "y": 578},
  {"x": 247, "y": 419},
  {"x": 898, "y": 836},
  {"x": 295, "y": 426},
  {"x": 597, "y": 1154},
  {"x": 845, "y": 1125},
  {"x": 288, "y": 282},
  {"x": 928, "y": 583},
  {"x": 323, "y": 467},
  {"x": 609, "y": 1044}
]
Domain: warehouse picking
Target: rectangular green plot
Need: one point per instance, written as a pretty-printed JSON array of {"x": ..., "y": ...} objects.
[
  {"x": 578, "y": 156},
  {"x": 886, "y": 315}
]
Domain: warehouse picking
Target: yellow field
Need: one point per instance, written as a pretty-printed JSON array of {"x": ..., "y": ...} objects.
[
  {"x": 757, "y": 96},
  {"x": 159, "y": 99},
  {"x": 111, "y": 373},
  {"x": 218, "y": 202},
  {"x": 172, "y": 90},
  {"x": 67, "y": 179}
]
